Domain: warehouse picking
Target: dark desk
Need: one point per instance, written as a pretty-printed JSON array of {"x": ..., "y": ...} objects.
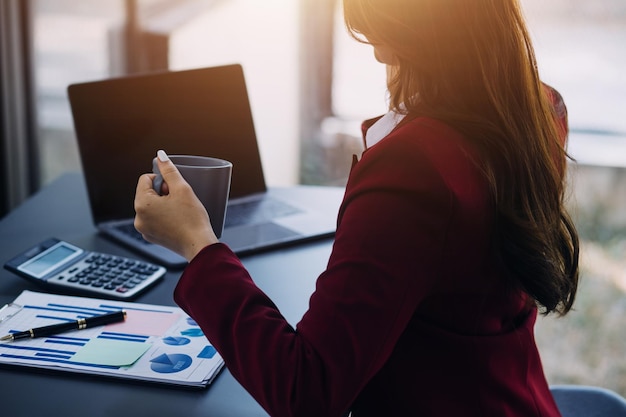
[{"x": 61, "y": 210}]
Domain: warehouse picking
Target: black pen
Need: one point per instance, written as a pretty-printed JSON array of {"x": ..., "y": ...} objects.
[{"x": 79, "y": 324}]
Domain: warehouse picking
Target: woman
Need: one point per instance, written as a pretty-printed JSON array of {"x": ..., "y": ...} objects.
[{"x": 451, "y": 236}]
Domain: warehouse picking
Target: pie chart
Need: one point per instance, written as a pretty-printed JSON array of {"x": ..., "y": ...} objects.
[
  {"x": 169, "y": 364},
  {"x": 195, "y": 332},
  {"x": 176, "y": 341}
]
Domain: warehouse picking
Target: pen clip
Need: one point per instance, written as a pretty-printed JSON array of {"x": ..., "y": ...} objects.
[{"x": 9, "y": 310}]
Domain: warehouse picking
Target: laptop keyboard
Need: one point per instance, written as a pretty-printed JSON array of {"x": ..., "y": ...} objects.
[
  {"x": 257, "y": 211},
  {"x": 129, "y": 230},
  {"x": 249, "y": 212}
]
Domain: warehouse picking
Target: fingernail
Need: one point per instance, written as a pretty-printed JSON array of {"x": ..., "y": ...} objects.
[{"x": 162, "y": 156}]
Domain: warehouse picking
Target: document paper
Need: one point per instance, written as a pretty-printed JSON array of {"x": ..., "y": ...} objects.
[{"x": 155, "y": 343}]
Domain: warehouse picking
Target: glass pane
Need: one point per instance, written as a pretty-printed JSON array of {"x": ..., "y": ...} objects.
[
  {"x": 70, "y": 45},
  {"x": 78, "y": 40},
  {"x": 579, "y": 46},
  {"x": 580, "y": 50}
]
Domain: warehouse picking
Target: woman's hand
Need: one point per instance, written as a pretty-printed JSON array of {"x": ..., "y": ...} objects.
[{"x": 177, "y": 219}]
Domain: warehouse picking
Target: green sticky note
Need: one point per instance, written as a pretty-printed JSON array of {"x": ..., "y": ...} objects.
[{"x": 110, "y": 352}]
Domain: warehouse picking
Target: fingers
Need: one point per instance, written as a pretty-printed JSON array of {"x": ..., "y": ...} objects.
[
  {"x": 144, "y": 185},
  {"x": 143, "y": 191},
  {"x": 169, "y": 172}
]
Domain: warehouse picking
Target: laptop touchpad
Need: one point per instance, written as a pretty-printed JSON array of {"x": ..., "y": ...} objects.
[{"x": 251, "y": 236}]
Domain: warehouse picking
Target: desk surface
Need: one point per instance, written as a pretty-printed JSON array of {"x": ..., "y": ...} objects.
[{"x": 61, "y": 210}]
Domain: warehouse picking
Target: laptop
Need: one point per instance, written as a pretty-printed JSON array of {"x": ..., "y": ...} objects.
[{"x": 120, "y": 123}]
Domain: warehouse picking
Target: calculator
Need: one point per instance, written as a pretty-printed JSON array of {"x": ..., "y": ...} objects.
[{"x": 60, "y": 265}]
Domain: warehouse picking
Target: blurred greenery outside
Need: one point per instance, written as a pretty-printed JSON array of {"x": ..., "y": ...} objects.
[{"x": 588, "y": 345}]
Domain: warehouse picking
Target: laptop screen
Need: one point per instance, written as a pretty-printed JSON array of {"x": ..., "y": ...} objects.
[{"x": 120, "y": 123}]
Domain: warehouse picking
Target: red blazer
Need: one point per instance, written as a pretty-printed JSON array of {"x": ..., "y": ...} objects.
[{"x": 411, "y": 316}]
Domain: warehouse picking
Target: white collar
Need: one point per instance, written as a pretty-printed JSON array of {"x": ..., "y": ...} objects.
[{"x": 382, "y": 128}]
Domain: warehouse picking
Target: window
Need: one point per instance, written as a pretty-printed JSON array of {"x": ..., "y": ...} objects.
[
  {"x": 86, "y": 40},
  {"x": 579, "y": 47},
  {"x": 71, "y": 44}
]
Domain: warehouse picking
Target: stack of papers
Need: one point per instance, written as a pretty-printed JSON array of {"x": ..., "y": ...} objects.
[{"x": 155, "y": 343}]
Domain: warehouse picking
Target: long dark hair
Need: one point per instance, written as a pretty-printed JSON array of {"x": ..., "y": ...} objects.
[{"x": 471, "y": 64}]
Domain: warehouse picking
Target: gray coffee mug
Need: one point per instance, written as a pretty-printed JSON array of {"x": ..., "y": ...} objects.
[{"x": 210, "y": 180}]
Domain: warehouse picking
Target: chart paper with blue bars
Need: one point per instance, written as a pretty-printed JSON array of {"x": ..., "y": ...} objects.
[{"x": 155, "y": 343}]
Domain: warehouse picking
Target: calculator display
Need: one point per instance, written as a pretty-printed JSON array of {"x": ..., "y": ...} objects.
[{"x": 50, "y": 259}]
